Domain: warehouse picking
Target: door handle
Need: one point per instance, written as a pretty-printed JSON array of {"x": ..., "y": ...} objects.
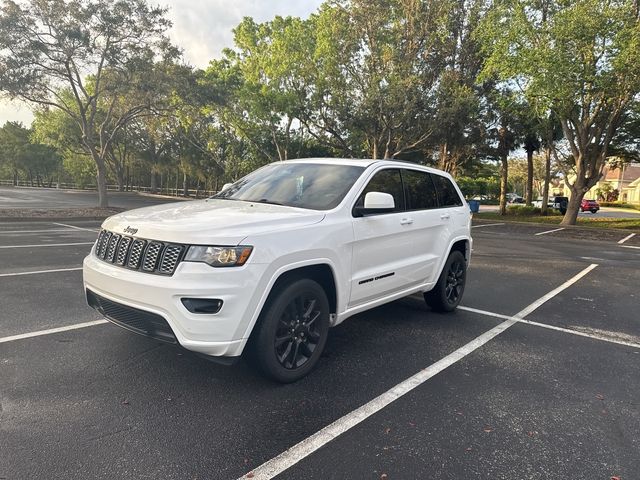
[
  {"x": 406, "y": 221},
  {"x": 445, "y": 216}
]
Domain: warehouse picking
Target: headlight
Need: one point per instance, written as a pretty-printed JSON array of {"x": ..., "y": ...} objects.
[{"x": 219, "y": 256}]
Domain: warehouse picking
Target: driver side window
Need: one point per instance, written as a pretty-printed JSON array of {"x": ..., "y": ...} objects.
[{"x": 385, "y": 181}]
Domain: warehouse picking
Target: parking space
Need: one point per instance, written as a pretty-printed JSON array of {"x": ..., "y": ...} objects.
[{"x": 493, "y": 398}]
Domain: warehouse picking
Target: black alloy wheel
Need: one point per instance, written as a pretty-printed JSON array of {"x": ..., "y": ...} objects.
[
  {"x": 455, "y": 281},
  {"x": 298, "y": 334},
  {"x": 292, "y": 330},
  {"x": 447, "y": 293}
]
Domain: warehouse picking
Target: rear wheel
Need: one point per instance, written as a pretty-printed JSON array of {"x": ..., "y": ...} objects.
[
  {"x": 292, "y": 331},
  {"x": 594, "y": 210},
  {"x": 447, "y": 293}
]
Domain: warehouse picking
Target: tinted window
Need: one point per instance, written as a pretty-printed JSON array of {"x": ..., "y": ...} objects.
[
  {"x": 419, "y": 189},
  {"x": 447, "y": 194},
  {"x": 385, "y": 181},
  {"x": 305, "y": 185}
]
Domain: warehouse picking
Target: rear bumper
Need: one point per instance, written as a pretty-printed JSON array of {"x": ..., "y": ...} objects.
[{"x": 151, "y": 304}]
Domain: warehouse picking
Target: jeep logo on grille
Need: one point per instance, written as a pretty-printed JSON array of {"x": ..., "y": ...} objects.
[{"x": 131, "y": 230}]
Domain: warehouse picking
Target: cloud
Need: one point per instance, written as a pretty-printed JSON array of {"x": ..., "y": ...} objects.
[{"x": 202, "y": 29}]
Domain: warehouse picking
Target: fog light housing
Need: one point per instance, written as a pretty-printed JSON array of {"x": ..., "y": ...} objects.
[{"x": 202, "y": 305}]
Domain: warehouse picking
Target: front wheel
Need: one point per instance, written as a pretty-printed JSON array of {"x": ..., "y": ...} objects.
[
  {"x": 593, "y": 210},
  {"x": 447, "y": 293},
  {"x": 292, "y": 331}
]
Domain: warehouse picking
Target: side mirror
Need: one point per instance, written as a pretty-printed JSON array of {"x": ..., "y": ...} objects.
[
  {"x": 225, "y": 186},
  {"x": 376, "y": 202}
]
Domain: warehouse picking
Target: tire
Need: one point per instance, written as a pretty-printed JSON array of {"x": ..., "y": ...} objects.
[
  {"x": 446, "y": 295},
  {"x": 593, "y": 210},
  {"x": 292, "y": 331}
]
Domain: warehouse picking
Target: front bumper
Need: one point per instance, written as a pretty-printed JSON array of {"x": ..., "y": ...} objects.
[{"x": 220, "y": 334}]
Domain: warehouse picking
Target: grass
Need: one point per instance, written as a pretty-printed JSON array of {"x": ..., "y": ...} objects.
[
  {"x": 625, "y": 223},
  {"x": 620, "y": 205}
]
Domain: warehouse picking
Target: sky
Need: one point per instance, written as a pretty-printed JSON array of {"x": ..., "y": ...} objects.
[{"x": 202, "y": 29}]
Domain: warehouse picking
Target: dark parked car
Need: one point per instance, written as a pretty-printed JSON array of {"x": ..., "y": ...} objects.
[
  {"x": 560, "y": 203},
  {"x": 589, "y": 205}
]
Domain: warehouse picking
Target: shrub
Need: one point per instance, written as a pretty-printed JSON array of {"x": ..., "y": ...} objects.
[{"x": 522, "y": 210}]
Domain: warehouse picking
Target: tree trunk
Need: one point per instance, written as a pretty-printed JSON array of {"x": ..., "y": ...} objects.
[
  {"x": 547, "y": 180},
  {"x": 185, "y": 185},
  {"x": 101, "y": 181},
  {"x": 442, "y": 164},
  {"x": 504, "y": 175},
  {"x": 120, "y": 177},
  {"x": 573, "y": 207},
  {"x": 529, "y": 194},
  {"x": 15, "y": 178},
  {"x": 153, "y": 184}
]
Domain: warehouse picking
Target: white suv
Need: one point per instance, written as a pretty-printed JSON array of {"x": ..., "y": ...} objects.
[{"x": 275, "y": 259}]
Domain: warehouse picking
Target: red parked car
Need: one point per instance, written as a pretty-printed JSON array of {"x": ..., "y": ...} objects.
[{"x": 589, "y": 205}]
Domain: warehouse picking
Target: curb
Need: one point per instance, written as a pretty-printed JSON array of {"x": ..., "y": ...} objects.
[
  {"x": 51, "y": 219},
  {"x": 572, "y": 227}
]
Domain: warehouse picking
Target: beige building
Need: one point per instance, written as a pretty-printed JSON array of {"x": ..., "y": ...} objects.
[{"x": 626, "y": 180}]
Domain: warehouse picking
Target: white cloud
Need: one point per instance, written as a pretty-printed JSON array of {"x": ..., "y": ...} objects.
[
  {"x": 15, "y": 112},
  {"x": 202, "y": 29}
]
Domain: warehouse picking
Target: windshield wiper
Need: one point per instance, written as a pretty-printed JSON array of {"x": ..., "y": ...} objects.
[{"x": 265, "y": 200}]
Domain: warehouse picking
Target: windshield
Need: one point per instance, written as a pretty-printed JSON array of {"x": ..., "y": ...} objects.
[{"x": 306, "y": 185}]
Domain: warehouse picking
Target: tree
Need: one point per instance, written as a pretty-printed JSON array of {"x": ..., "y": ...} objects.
[
  {"x": 20, "y": 154},
  {"x": 97, "y": 51},
  {"x": 577, "y": 59},
  {"x": 502, "y": 114}
]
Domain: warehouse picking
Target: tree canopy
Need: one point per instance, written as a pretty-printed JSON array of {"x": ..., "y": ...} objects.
[{"x": 463, "y": 85}]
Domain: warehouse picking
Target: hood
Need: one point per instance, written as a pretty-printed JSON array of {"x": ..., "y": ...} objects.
[{"x": 209, "y": 222}]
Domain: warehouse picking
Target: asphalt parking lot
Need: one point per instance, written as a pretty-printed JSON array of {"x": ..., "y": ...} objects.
[{"x": 536, "y": 377}]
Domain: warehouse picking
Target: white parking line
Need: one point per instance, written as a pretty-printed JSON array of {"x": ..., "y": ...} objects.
[
  {"x": 55, "y": 230},
  {"x": 552, "y": 327},
  {"x": 48, "y": 245},
  {"x": 15, "y": 274},
  {"x": 92, "y": 230},
  {"x": 630, "y": 246},
  {"x": 306, "y": 447},
  {"x": 549, "y": 231},
  {"x": 627, "y": 238},
  {"x": 39, "y": 333},
  {"x": 487, "y": 225}
]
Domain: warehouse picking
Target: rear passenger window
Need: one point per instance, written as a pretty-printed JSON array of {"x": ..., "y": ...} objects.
[
  {"x": 420, "y": 191},
  {"x": 447, "y": 194},
  {"x": 385, "y": 181}
]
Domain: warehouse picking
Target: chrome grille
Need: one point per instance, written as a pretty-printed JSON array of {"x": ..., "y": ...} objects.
[
  {"x": 111, "y": 249},
  {"x": 138, "y": 254},
  {"x": 151, "y": 256},
  {"x": 123, "y": 249},
  {"x": 170, "y": 258},
  {"x": 104, "y": 244}
]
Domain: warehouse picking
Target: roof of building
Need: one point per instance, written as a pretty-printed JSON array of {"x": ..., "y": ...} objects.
[{"x": 631, "y": 173}]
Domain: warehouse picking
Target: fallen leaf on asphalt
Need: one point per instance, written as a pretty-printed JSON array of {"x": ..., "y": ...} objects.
[
  {"x": 383, "y": 476},
  {"x": 488, "y": 429},
  {"x": 615, "y": 478},
  {"x": 468, "y": 449},
  {"x": 599, "y": 396},
  {"x": 250, "y": 475},
  {"x": 387, "y": 430},
  {"x": 125, "y": 402},
  {"x": 531, "y": 434}
]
